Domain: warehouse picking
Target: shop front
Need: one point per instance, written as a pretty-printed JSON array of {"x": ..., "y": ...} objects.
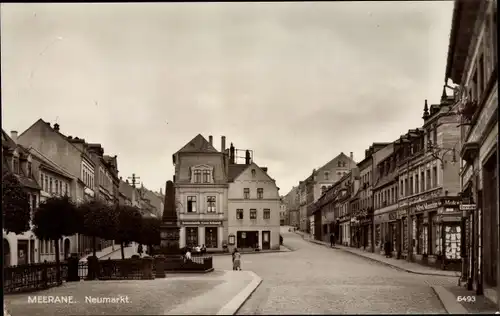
[
  {"x": 385, "y": 230},
  {"x": 344, "y": 223},
  {"x": 201, "y": 232},
  {"x": 402, "y": 233}
]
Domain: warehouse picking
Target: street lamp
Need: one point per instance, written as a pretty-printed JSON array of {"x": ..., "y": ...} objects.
[{"x": 440, "y": 153}]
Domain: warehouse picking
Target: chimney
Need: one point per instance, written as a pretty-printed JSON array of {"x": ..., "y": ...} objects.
[
  {"x": 211, "y": 140},
  {"x": 13, "y": 135},
  {"x": 351, "y": 155},
  {"x": 247, "y": 157},
  {"x": 223, "y": 143},
  {"x": 56, "y": 127},
  {"x": 232, "y": 157}
]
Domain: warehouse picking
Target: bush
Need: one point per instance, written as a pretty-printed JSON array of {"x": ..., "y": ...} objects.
[{"x": 15, "y": 205}]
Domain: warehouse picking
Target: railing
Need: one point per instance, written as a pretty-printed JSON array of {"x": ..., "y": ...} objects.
[
  {"x": 179, "y": 264},
  {"x": 32, "y": 277}
]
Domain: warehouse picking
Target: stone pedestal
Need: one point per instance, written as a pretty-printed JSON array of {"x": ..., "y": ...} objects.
[
  {"x": 147, "y": 268},
  {"x": 160, "y": 266}
]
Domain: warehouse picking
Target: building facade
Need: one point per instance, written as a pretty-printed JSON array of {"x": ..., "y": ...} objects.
[
  {"x": 472, "y": 65},
  {"x": 22, "y": 248},
  {"x": 254, "y": 207},
  {"x": 201, "y": 186}
]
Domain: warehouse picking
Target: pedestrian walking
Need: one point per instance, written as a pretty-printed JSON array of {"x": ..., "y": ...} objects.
[
  {"x": 236, "y": 260},
  {"x": 387, "y": 247},
  {"x": 332, "y": 240}
]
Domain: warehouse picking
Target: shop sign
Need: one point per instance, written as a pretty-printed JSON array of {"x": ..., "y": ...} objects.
[
  {"x": 450, "y": 202},
  {"x": 467, "y": 207},
  {"x": 426, "y": 206},
  {"x": 210, "y": 223}
]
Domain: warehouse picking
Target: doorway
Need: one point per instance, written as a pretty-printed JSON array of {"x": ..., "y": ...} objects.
[
  {"x": 66, "y": 248},
  {"x": 247, "y": 239},
  {"x": 22, "y": 252},
  {"x": 266, "y": 240}
]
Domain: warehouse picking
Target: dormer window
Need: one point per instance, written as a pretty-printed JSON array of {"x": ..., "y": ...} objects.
[
  {"x": 202, "y": 174},
  {"x": 197, "y": 176},
  {"x": 15, "y": 165}
]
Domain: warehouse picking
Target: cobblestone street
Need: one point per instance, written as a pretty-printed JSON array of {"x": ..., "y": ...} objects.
[{"x": 316, "y": 280}]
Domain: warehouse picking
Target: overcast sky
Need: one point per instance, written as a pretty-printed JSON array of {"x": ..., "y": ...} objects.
[{"x": 297, "y": 82}]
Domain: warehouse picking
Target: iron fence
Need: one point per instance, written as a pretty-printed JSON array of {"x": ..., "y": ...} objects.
[{"x": 30, "y": 277}]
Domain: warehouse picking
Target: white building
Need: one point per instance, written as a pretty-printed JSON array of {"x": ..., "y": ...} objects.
[
  {"x": 254, "y": 207},
  {"x": 201, "y": 193}
]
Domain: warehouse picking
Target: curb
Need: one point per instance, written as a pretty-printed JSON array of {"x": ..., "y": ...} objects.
[
  {"x": 449, "y": 301},
  {"x": 232, "y": 307},
  {"x": 381, "y": 262}
]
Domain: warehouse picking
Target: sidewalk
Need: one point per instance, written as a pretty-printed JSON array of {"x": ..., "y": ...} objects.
[
  {"x": 457, "y": 300},
  {"x": 218, "y": 292},
  {"x": 282, "y": 249},
  {"x": 404, "y": 265}
]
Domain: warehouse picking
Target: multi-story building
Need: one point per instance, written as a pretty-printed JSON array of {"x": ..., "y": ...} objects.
[
  {"x": 349, "y": 186},
  {"x": 291, "y": 201},
  {"x": 20, "y": 249},
  {"x": 201, "y": 183},
  {"x": 365, "y": 197},
  {"x": 385, "y": 201},
  {"x": 324, "y": 215},
  {"x": 73, "y": 156},
  {"x": 284, "y": 220},
  {"x": 254, "y": 206},
  {"x": 320, "y": 179},
  {"x": 472, "y": 65}
]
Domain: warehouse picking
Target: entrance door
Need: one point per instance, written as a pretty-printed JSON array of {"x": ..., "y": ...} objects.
[
  {"x": 66, "y": 248},
  {"x": 266, "y": 240},
  {"x": 22, "y": 252},
  {"x": 192, "y": 236}
]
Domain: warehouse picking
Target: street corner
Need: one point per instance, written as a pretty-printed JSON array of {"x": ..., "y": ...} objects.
[{"x": 232, "y": 307}]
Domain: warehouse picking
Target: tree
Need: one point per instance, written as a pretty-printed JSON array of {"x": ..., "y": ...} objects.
[
  {"x": 15, "y": 205},
  {"x": 99, "y": 221},
  {"x": 129, "y": 225},
  {"x": 150, "y": 232},
  {"x": 56, "y": 217}
]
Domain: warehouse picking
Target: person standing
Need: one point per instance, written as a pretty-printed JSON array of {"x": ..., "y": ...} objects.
[
  {"x": 236, "y": 260},
  {"x": 332, "y": 240}
]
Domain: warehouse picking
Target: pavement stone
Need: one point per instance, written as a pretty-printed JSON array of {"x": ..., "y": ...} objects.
[
  {"x": 311, "y": 280},
  {"x": 174, "y": 295},
  {"x": 399, "y": 264}
]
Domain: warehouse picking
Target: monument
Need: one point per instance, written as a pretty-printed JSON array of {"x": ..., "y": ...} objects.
[{"x": 169, "y": 231}]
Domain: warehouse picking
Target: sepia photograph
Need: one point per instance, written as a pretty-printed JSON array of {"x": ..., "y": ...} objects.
[{"x": 250, "y": 158}]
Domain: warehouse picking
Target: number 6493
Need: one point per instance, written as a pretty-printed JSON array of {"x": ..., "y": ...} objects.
[{"x": 466, "y": 299}]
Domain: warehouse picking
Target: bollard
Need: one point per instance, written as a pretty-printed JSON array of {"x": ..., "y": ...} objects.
[
  {"x": 147, "y": 268},
  {"x": 160, "y": 266}
]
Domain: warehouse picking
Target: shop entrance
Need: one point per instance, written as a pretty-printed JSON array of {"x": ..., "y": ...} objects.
[{"x": 247, "y": 239}]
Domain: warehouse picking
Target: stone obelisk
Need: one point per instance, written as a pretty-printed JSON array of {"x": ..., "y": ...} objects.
[{"x": 170, "y": 225}]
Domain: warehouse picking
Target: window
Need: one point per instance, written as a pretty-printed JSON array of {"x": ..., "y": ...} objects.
[
  {"x": 428, "y": 187},
  {"x": 260, "y": 193},
  {"x": 29, "y": 169},
  {"x": 327, "y": 175},
  {"x": 16, "y": 165},
  {"x": 60, "y": 187},
  {"x": 406, "y": 187},
  {"x": 343, "y": 163},
  {"x": 411, "y": 185},
  {"x": 253, "y": 213},
  {"x": 246, "y": 193},
  {"x": 191, "y": 205},
  {"x": 339, "y": 164},
  {"x": 435, "y": 177},
  {"x": 401, "y": 186},
  {"x": 41, "y": 181},
  {"x": 206, "y": 176},
  {"x": 434, "y": 136},
  {"x": 192, "y": 236},
  {"x": 67, "y": 190},
  {"x": 56, "y": 186},
  {"x": 480, "y": 82},
  {"x": 267, "y": 213},
  {"x": 239, "y": 213},
  {"x": 211, "y": 204},
  {"x": 323, "y": 189},
  {"x": 50, "y": 186},
  {"x": 253, "y": 173},
  {"x": 46, "y": 183},
  {"x": 422, "y": 181},
  {"x": 197, "y": 176},
  {"x": 416, "y": 184},
  {"x": 211, "y": 237}
]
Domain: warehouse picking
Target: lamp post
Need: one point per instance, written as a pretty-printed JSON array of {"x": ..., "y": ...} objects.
[{"x": 440, "y": 153}]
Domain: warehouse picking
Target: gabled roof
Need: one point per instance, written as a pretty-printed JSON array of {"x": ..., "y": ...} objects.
[
  {"x": 7, "y": 141},
  {"x": 235, "y": 170},
  {"x": 245, "y": 167},
  {"x": 126, "y": 189},
  {"x": 198, "y": 145},
  {"x": 48, "y": 164}
]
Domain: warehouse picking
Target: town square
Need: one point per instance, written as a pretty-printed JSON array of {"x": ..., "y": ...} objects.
[{"x": 250, "y": 158}]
